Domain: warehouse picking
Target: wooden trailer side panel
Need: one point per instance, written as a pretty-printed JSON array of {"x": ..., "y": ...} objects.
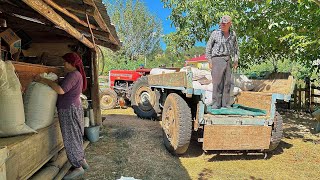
[
  {"x": 257, "y": 100},
  {"x": 178, "y": 79},
  {"x": 279, "y": 86},
  {"x": 28, "y": 153},
  {"x": 237, "y": 137}
]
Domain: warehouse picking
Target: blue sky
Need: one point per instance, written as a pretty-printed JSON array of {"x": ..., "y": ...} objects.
[{"x": 156, "y": 8}]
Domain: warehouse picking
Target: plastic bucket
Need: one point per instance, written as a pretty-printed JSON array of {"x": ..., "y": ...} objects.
[{"x": 92, "y": 133}]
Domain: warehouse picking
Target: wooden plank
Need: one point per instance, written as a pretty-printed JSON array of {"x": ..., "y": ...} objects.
[
  {"x": 258, "y": 100},
  {"x": 45, "y": 10},
  {"x": 281, "y": 86},
  {"x": 97, "y": 16},
  {"x": 66, "y": 12},
  {"x": 28, "y": 153},
  {"x": 26, "y": 72},
  {"x": 221, "y": 137},
  {"x": 65, "y": 168},
  {"x": 178, "y": 79},
  {"x": 3, "y": 158}
]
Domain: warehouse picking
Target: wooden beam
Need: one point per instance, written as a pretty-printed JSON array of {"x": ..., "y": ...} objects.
[
  {"x": 45, "y": 10},
  {"x": 95, "y": 89},
  {"x": 66, "y": 12},
  {"x": 97, "y": 16},
  {"x": 76, "y": 6}
]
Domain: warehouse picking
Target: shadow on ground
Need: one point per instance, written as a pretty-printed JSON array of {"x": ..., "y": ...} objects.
[{"x": 132, "y": 147}]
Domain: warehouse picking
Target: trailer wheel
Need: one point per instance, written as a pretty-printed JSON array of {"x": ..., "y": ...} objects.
[
  {"x": 176, "y": 124},
  {"x": 276, "y": 133},
  {"x": 144, "y": 101},
  {"x": 108, "y": 99}
]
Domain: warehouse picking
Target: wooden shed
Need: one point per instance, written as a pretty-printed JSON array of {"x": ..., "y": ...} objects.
[{"x": 48, "y": 29}]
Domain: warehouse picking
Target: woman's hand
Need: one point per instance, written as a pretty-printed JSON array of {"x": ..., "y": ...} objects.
[{"x": 37, "y": 78}]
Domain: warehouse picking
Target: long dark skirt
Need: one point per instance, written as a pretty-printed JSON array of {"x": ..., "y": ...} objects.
[{"x": 72, "y": 129}]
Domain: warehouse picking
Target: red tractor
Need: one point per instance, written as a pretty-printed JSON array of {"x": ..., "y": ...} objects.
[{"x": 120, "y": 87}]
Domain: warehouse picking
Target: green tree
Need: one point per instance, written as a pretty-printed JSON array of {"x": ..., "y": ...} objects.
[
  {"x": 138, "y": 29},
  {"x": 267, "y": 30}
]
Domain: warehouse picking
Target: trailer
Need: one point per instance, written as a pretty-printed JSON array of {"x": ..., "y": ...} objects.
[
  {"x": 44, "y": 31},
  {"x": 184, "y": 113}
]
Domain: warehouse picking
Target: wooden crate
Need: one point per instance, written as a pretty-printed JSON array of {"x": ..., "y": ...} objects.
[
  {"x": 3, "y": 158},
  {"x": 28, "y": 153},
  {"x": 233, "y": 137}
]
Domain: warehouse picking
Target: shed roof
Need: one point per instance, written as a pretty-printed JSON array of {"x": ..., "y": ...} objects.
[{"x": 63, "y": 17}]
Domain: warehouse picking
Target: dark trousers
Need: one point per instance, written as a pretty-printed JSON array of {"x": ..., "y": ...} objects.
[{"x": 221, "y": 81}]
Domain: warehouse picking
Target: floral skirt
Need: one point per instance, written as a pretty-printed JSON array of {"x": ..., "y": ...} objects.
[{"x": 72, "y": 129}]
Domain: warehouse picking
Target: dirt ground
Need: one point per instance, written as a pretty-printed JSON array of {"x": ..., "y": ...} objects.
[{"x": 132, "y": 147}]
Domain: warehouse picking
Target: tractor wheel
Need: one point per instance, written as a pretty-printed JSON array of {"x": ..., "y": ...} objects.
[
  {"x": 144, "y": 101},
  {"x": 108, "y": 99},
  {"x": 276, "y": 133},
  {"x": 176, "y": 124}
]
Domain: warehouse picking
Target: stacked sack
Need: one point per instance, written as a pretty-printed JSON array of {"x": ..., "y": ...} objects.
[
  {"x": 12, "y": 117},
  {"x": 40, "y": 103},
  {"x": 202, "y": 79}
]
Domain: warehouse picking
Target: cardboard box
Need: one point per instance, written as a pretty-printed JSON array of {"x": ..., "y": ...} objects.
[{"x": 12, "y": 40}]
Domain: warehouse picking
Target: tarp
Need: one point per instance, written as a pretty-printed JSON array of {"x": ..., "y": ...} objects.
[{"x": 237, "y": 109}]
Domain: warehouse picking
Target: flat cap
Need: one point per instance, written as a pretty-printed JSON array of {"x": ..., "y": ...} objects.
[{"x": 225, "y": 19}]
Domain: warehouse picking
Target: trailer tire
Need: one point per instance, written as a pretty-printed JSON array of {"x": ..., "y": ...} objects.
[
  {"x": 276, "y": 133},
  {"x": 144, "y": 101},
  {"x": 176, "y": 124},
  {"x": 108, "y": 99}
]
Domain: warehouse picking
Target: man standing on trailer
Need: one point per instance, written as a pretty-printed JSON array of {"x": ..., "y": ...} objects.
[{"x": 222, "y": 45}]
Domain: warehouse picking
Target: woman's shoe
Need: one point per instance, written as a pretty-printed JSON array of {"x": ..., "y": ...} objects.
[
  {"x": 74, "y": 174},
  {"x": 85, "y": 165}
]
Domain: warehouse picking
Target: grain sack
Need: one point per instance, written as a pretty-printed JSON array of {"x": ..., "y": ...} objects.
[
  {"x": 12, "y": 119},
  {"x": 39, "y": 104},
  {"x": 242, "y": 81},
  {"x": 155, "y": 71}
]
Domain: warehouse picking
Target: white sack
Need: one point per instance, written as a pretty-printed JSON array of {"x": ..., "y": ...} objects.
[
  {"x": 39, "y": 105},
  {"x": 242, "y": 81},
  {"x": 12, "y": 119},
  {"x": 155, "y": 71},
  {"x": 208, "y": 97},
  {"x": 196, "y": 73},
  {"x": 197, "y": 85}
]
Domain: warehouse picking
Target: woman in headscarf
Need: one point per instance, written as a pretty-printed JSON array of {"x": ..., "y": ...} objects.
[{"x": 70, "y": 111}]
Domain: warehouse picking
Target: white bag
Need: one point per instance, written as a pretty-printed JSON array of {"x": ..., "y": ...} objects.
[
  {"x": 39, "y": 105},
  {"x": 155, "y": 71},
  {"x": 12, "y": 119},
  {"x": 242, "y": 81}
]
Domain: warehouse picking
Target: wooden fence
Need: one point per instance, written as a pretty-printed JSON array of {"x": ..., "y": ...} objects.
[{"x": 305, "y": 97}]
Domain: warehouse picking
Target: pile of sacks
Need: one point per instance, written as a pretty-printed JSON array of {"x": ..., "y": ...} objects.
[
  {"x": 24, "y": 114},
  {"x": 202, "y": 79}
]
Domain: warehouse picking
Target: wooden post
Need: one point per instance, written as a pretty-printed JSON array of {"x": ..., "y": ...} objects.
[
  {"x": 295, "y": 99},
  {"x": 95, "y": 89},
  {"x": 45, "y": 10},
  {"x": 300, "y": 97},
  {"x": 307, "y": 94}
]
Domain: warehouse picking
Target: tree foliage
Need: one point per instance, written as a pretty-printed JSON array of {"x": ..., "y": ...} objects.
[
  {"x": 137, "y": 28},
  {"x": 267, "y": 30}
]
